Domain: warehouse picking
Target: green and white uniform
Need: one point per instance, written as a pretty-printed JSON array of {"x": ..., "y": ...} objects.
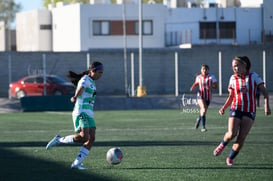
[{"x": 83, "y": 113}]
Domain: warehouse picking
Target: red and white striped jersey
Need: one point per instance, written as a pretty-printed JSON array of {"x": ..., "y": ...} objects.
[
  {"x": 244, "y": 88},
  {"x": 205, "y": 85}
]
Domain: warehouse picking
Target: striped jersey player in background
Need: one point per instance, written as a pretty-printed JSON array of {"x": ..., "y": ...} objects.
[
  {"x": 83, "y": 113},
  {"x": 206, "y": 82},
  {"x": 242, "y": 89}
]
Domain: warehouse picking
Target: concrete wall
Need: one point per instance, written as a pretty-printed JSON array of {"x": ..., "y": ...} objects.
[
  {"x": 181, "y": 19},
  {"x": 249, "y": 31},
  {"x": 30, "y": 35},
  {"x": 158, "y": 66},
  {"x": 66, "y": 34},
  {"x": 268, "y": 17}
]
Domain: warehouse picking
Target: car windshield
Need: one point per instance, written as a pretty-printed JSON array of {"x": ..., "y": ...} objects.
[{"x": 57, "y": 80}]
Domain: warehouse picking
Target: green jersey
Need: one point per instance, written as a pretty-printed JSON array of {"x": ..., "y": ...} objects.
[{"x": 85, "y": 102}]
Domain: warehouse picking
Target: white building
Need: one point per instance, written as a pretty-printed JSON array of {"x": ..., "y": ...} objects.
[
  {"x": 267, "y": 20},
  {"x": 90, "y": 26},
  {"x": 34, "y": 30},
  {"x": 80, "y": 27}
]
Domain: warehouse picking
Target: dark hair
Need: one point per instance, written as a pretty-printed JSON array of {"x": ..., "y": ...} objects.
[
  {"x": 96, "y": 66},
  {"x": 247, "y": 61},
  {"x": 74, "y": 77},
  {"x": 244, "y": 60},
  {"x": 205, "y": 65}
]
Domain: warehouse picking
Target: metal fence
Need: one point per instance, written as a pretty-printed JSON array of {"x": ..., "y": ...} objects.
[{"x": 165, "y": 71}]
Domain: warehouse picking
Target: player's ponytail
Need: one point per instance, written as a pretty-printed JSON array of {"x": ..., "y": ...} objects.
[{"x": 74, "y": 77}]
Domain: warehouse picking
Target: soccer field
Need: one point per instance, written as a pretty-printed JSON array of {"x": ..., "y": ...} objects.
[{"x": 157, "y": 145}]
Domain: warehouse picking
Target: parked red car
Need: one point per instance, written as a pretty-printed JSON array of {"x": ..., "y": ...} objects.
[{"x": 34, "y": 86}]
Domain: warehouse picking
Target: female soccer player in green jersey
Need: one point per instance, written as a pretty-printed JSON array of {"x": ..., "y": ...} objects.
[{"x": 83, "y": 113}]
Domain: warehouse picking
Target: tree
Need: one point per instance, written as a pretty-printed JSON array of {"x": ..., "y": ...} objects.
[
  {"x": 8, "y": 10},
  {"x": 46, "y": 2}
]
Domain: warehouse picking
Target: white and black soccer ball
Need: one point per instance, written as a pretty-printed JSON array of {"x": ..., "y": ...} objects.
[{"x": 114, "y": 156}]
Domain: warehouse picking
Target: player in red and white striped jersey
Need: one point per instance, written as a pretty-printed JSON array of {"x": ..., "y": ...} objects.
[
  {"x": 244, "y": 88},
  {"x": 242, "y": 91},
  {"x": 206, "y": 82}
]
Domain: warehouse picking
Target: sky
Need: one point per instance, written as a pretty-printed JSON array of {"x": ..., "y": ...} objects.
[
  {"x": 38, "y": 4},
  {"x": 30, "y": 4}
]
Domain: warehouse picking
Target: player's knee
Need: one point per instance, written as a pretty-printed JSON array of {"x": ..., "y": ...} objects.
[
  {"x": 85, "y": 137},
  {"x": 89, "y": 143},
  {"x": 92, "y": 139},
  {"x": 230, "y": 135},
  {"x": 202, "y": 111}
]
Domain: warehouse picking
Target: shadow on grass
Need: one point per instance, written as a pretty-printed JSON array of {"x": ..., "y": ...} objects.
[
  {"x": 116, "y": 143},
  {"x": 239, "y": 167},
  {"x": 15, "y": 166}
]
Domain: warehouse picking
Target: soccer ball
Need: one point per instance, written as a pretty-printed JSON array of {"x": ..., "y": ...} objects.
[{"x": 114, "y": 156}]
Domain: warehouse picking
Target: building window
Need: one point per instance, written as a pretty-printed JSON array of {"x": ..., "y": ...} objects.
[
  {"x": 45, "y": 27},
  {"x": 147, "y": 27},
  {"x": 207, "y": 30},
  {"x": 227, "y": 30},
  {"x": 101, "y": 28},
  {"x": 115, "y": 27}
]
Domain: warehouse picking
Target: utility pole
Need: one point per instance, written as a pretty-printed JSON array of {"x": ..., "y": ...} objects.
[
  {"x": 8, "y": 26},
  {"x": 125, "y": 47},
  {"x": 141, "y": 90}
]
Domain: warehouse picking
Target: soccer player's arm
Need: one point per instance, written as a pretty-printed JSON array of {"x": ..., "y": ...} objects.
[
  {"x": 77, "y": 94},
  {"x": 195, "y": 84},
  {"x": 228, "y": 101},
  {"x": 267, "y": 109},
  {"x": 79, "y": 91},
  {"x": 214, "y": 83}
]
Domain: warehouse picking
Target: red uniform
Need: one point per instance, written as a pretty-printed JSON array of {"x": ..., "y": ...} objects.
[
  {"x": 205, "y": 83},
  {"x": 244, "y": 88}
]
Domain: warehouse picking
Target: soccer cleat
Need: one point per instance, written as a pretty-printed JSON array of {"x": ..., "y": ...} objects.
[
  {"x": 203, "y": 130},
  {"x": 229, "y": 161},
  {"x": 196, "y": 125},
  {"x": 55, "y": 141},
  {"x": 78, "y": 166},
  {"x": 219, "y": 149}
]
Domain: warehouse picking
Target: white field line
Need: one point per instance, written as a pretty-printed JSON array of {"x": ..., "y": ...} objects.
[{"x": 61, "y": 113}]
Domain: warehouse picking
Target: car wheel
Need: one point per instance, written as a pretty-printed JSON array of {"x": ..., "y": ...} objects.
[
  {"x": 20, "y": 94},
  {"x": 57, "y": 93}
]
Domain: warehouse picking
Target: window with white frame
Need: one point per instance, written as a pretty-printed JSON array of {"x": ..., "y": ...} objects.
[
  {"x": 147, "y": 27},
  {"x": 101, "y": 27},
  {"x": 115, "y": 27}
]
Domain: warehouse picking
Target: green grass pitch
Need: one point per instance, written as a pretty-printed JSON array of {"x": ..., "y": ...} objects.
[{"x": 157, "y": 145}]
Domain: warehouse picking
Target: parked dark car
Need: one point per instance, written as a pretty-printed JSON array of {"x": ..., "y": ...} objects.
[{"x": 34, "y": 86}]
